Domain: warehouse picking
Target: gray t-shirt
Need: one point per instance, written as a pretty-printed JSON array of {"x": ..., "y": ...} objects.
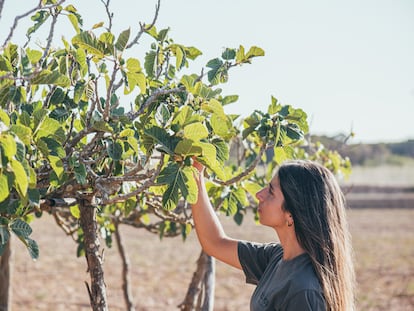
[{"x": 288, "y": 285}]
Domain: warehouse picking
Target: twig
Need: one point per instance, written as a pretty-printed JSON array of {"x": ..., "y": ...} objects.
[
  {"x": 1, "y": 6},
  {"x": 152, "y": 98},
  {"x": 19, "y": 17},
  {"x": 246, "y": 172},
  {"x": 51, "y": 33},
  {"x": 108, "y": 13},
  {"x": 145, "y": 185},
  {"x": 109, "y": 92},
  {"x": 146, "y": 28}
]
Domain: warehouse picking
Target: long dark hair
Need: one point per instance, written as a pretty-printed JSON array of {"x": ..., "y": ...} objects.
[{"x": 315, "y": 200}]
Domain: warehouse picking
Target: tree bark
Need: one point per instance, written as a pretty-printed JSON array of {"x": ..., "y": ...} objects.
[
  {"x": 125, "y": 271},
  {"x": 200, "y": 293},
  {"x": 5, "y": 275},
  {"x": 209, "y": 283},
  {"x": 97, "y": 289}
]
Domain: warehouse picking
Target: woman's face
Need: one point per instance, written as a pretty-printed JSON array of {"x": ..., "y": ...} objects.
[{"x": 271, "y": 212}]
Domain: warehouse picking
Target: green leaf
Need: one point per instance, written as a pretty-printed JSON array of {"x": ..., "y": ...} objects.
[
  {"x": 21, "y": 228},
  {"x": 34, "y": 196},
  {"x": 51, "y": 78},
  {"x": 107, "y": 38},
  {"x": 34, "y": 55},
  {"x": 74, "y": 21},
  {"x": 51, "y": 128},
  {"x": 21, "y": 181},
  {"x": 4, "y": 95},
  {"x": 88, "y": 41},
  {"x": 209, "y": 158},
  {"x": 240, "y": 56},
  {"x": 133, "y": 65},
  {"x": 229, "y": 99},
  {"x": 274, "y": 107},
  {"x": 150, "y": 63},
  {"x": 252, "y": 188},
  {"x": 115, "y": 150},
  {"x": 219, "y": 125},
  {"x": 228, "y": 54},
  {"x": 18, "y": 95},
  {"x": 74, "y": 210},
  {"x": 218, "y": 72},
  {"x": 178, "y": 180},
  {"x": 186, "y": 148},
  {"x": 40, "y": 17},
  {"x": 222, "y": 150},
  {"x": 152, "y": 32},
  {"x": 58, "y": 96},
  {"x": 161, "y": 137},
  {"x": 179, "y": 57},
  {"x": 81, "y": 59},
  {"x": 33, "y": 248},
  {"x": 134, "y": 79},
  {"x": 98, "y": 25},
  {"x": 8, "y": 145},
  {"x": 123, "y": 40},
  {"x": 5, "y": 64},
  {"x": 80, "y": 88},
  {"x": 195, "y": 131},
  {"x": 57, "y": 165},
  {"x": 162, "y": 34},
  {"x": 102, "y": 126},
  {"x": 240, "y": 196},
  {"x": 255, "y": 51},
  {"x": 4, "y": 187},
  {"x": 170, "y": 175},
  {"x": 4, "y": 117},
  {"x": 215, "y": 107},
  {"x": 54, "y": 147},
  {"x": 280, "y": 155},
  {"x": 192, "y": 52},
  {"x": 80, "y": 174}
]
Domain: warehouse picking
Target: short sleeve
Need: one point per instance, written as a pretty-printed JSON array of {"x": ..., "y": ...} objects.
[
  {"x": 255, "y": 257},
  {"x": 306, "y": 300}
]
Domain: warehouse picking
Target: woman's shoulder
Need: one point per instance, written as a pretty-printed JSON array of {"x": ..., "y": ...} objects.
[{"x": 270, "y": 250}]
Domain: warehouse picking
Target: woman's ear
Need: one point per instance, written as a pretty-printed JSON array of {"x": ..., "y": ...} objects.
[{"x": 289, "y": 220}]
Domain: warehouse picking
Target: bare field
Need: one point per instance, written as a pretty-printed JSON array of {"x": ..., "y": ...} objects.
[{"x": 161, "y": 271}]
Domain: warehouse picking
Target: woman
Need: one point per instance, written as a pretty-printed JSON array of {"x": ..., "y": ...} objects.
[{"x": 311, "y": 268}]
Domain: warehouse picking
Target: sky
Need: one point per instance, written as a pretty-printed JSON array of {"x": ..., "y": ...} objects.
[{"x": 348, "y": 64}]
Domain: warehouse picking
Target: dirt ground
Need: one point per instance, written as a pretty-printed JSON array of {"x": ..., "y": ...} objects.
[{"x": 161, "y": 270}]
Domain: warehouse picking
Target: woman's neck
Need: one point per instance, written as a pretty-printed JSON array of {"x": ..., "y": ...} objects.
[{"x": 290, "y": 244}]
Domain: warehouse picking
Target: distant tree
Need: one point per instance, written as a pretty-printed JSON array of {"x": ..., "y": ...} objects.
[{"x": 72, "y": 146}]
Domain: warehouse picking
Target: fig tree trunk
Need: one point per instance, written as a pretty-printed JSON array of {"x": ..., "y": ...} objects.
[
  {"x": 97, "y": 290},
  {"x": 5, "y": 271}
]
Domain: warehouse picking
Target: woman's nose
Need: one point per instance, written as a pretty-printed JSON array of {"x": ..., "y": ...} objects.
[{"x": 259, "y": 195}]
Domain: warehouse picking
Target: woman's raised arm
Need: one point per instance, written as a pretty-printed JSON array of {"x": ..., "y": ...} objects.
[{"x": 209, "y": 230}]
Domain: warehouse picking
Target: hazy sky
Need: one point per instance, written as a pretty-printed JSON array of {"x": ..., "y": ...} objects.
[{"x": 348, "y": 64}]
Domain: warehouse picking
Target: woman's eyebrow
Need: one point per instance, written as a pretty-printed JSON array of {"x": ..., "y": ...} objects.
[{"x": 271, "y": 187}]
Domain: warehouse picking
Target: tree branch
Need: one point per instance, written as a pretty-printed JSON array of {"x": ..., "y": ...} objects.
[
  {"x": 145, "y": 28},
  {"x": 51, "y": 33},
  {"x": 246, "y": 172},
  {"x": 108, "y": 13},
  {"x": 125, "y": 269},
  {"x": 19, "y": 17},
  {"x": 1, "y": 7},
  {"x": 145, "y": 185},
  {"x": 163, "y": 91}
]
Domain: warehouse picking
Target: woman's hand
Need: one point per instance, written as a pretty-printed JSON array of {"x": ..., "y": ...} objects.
[{"x": 200, "y": 167}]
